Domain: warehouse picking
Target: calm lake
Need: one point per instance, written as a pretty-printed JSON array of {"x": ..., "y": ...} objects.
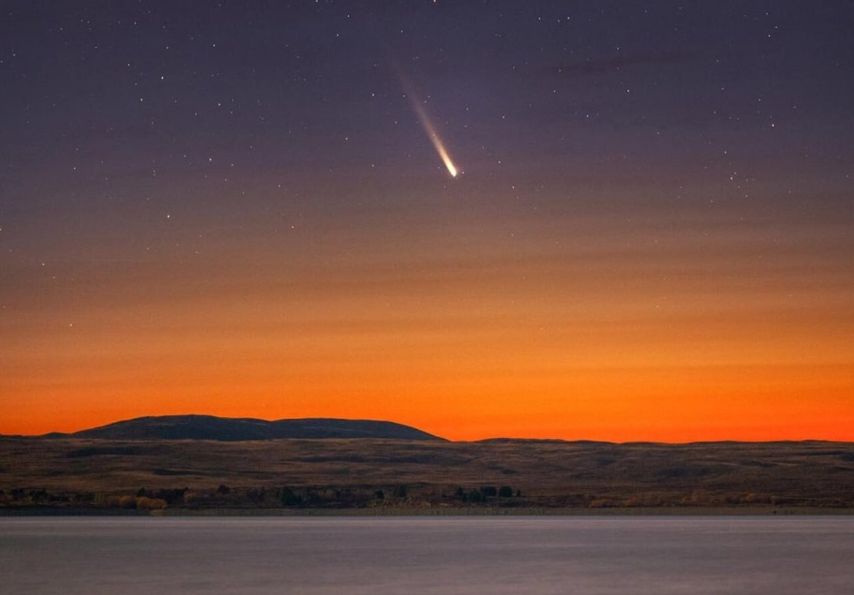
[{"x": 520, "y": 555}]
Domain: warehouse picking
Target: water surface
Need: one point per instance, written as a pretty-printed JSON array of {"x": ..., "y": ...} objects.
[{"x": 377, "y": 556}]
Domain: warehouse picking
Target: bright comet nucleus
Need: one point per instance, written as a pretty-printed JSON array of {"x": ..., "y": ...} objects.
[{"x": 433, "y": 136}]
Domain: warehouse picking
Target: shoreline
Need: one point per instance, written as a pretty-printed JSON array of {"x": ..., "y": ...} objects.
[{"x": 674, "y": 511}]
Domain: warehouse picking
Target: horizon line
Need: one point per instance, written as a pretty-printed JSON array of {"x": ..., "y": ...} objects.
[{"x": 70, "y": 434}]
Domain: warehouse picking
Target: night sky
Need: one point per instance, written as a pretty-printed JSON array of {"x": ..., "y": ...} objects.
[{"x": 238, "y": 208}]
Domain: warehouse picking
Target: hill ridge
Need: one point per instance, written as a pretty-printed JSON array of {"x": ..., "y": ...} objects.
[{"x": 238, "y": 429}]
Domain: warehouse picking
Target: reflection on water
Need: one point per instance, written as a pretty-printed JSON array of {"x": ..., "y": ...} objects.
[{"x": 589, "y": 555}]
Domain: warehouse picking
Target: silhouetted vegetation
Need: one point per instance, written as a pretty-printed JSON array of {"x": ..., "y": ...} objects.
[{"x": 483, "y": 494}]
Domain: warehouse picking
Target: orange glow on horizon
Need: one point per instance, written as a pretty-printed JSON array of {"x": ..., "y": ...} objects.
[
  {"x": 463, "y": 338},
  {"x": 659, "y": 413}
]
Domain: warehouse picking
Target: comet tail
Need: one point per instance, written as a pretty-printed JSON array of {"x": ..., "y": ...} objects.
[{"x": 434, "y": 137}]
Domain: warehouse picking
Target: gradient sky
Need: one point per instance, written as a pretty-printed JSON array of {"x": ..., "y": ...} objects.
[{"x": 234, "y": 208}]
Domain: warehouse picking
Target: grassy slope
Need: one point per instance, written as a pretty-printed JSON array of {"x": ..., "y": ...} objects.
[{"x": 547, "y": 473}]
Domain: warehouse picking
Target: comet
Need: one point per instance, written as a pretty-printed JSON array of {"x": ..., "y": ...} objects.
[
  {"x": 427, "y": 124},
  {"x": 424, "y": 118}
]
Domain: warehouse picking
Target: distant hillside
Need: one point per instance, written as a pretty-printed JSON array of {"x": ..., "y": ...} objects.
[
  {"x": 208, "y": 427},
  {"x": 78, "y": 473}
]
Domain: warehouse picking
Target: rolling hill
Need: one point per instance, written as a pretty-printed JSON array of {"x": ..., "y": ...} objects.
[{"x": 208, "y": 427}]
